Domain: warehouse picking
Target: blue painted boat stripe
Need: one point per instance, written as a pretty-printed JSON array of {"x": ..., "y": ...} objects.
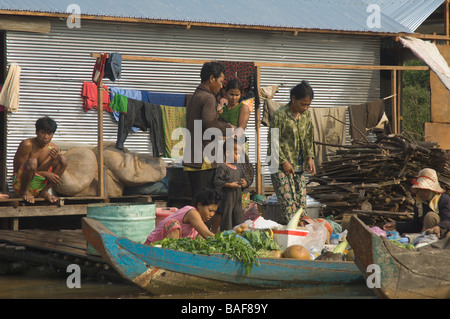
[{"x": 270, "y": 272}]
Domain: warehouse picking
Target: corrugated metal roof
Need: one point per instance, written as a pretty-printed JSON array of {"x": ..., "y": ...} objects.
[
  {"x": 411, "y": 13},
  {"x": 345, "y": 15}
]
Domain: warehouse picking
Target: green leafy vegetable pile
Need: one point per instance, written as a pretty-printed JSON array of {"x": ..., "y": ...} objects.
[
  {"x": 260, "y": 240},
  {"x": 228, "y": 243}
]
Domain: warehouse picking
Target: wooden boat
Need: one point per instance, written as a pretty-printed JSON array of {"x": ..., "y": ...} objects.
[
  {"x": 141, "y": 263},
  {"x": 403, "y": 273},
  {"x": 154, "y": 280}
]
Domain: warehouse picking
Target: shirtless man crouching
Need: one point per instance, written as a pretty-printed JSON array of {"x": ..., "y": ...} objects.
[{"x": 38, "y": 164}]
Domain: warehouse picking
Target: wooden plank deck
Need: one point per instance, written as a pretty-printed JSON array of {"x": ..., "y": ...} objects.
[
  {"x": 55, "y": 249},
  {"x": 52, "y": 249},
  {"x": 13, "y": 208}
]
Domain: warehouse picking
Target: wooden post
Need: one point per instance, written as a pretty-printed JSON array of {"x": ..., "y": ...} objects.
[
  {"x": 259, "y": 181},
  {"x": 394, "y": 109},
  {"x": 101, "y": 185},
  {"x": 398, "y": 98},
  {"x": 4, "y": 172},
  {"x": 446, "y": 21}
]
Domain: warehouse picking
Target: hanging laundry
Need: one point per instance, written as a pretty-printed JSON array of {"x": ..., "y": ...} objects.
[
  {"x": 244, "y": 71},
  {"x": 170, "y": 99},
  {"x": 173, "y": 117},
  {"x": 9, "y": 95},
  {"x": 429, "y": 53},
  {"x": 269, "y": 106},
  {"x": 129, "y": 93},
  {"x": 99, "y": 69},
  {"x": 364, "y": 116},
  {"x": 119, "y": 103},
  {"x": 113, "y": 66},
  {"x": 327, "y": 130},
  {"x": 89, "y": 95},
  {"x": 146, "y": 116},
  {"x": 375, "y": 112}
]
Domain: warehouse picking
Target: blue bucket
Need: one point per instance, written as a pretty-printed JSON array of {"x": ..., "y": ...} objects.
[{"x": 134, "y": 221}]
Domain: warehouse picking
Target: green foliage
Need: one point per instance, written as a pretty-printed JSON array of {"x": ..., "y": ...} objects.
[
  {"x": 227, "y": 243},
  {"x": 416, "y": 100},
  {"x": 416, "y": 78}
]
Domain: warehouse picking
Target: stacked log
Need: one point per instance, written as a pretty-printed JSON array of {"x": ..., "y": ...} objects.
[{"x": 374, "y": 178}]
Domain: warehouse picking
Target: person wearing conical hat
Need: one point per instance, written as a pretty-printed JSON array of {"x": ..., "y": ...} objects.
[{"x": 431, "y": 210}]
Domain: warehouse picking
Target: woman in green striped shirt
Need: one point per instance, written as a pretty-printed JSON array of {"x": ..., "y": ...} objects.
[{"x": 295, "y": 150}]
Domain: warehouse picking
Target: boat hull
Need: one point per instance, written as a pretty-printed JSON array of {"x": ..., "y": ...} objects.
[
  {"x": 403, "y": 274},
  {"x": 270, "y": 273},
  {"x": 154, "y": 280},
  {"x": 141, "y": 264}
]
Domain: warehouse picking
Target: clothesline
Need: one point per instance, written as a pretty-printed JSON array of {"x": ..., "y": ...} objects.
[{"x": 258, "y": 65}]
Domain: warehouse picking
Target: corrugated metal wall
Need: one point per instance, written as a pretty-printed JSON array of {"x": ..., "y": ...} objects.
[{"x": 55, "y": 65}]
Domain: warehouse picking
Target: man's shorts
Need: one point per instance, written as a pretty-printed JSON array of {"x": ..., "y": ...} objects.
[{"x": 37, "y": 183}]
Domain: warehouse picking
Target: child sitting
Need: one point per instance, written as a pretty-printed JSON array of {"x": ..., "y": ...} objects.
[{"x": 188, "y": 221}]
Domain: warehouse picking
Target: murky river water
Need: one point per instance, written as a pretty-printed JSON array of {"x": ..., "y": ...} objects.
[
  {"x": 113, "y": 299},
  {"x": 20, "y": 287}
]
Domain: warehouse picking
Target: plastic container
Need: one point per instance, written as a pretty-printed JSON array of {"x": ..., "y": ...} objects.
[
  {"x": 313, "y": 207},
  {"x": 286, "y": 238},
  {"x": 269, "y": 210},
  {"x": 134, "y": 221},
  {"x": 162, "y": 213},
  {"x": 334, "y": 239}
]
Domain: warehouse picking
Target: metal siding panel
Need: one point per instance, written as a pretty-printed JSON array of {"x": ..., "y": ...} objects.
[{"x": 54, "y": 66}]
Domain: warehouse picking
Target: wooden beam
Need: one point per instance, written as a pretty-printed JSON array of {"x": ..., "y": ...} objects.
[
  {"x": 35, "y": 211},
  {"x": 280, "y": 65},
  {"x": 342, "y": 66},
  {"x": 26, "y": 24}
]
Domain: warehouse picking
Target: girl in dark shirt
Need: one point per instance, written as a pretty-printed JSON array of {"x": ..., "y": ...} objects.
[{"x": 229, "y": 181}]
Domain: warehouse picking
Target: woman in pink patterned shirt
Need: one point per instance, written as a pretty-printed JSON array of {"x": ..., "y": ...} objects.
[{"x": 188, "y": 221}]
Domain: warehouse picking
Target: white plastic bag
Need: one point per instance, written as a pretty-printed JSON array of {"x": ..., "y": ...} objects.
[
  {"x": 316, "y": 238},
  {"x": 261, "y": 223}
]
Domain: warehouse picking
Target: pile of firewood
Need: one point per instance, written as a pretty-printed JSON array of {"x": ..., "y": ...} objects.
[{"x": 374, "y": 178}]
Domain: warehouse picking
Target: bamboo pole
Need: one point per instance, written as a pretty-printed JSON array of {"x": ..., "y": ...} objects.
[{"x": 101, "y": 184}]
